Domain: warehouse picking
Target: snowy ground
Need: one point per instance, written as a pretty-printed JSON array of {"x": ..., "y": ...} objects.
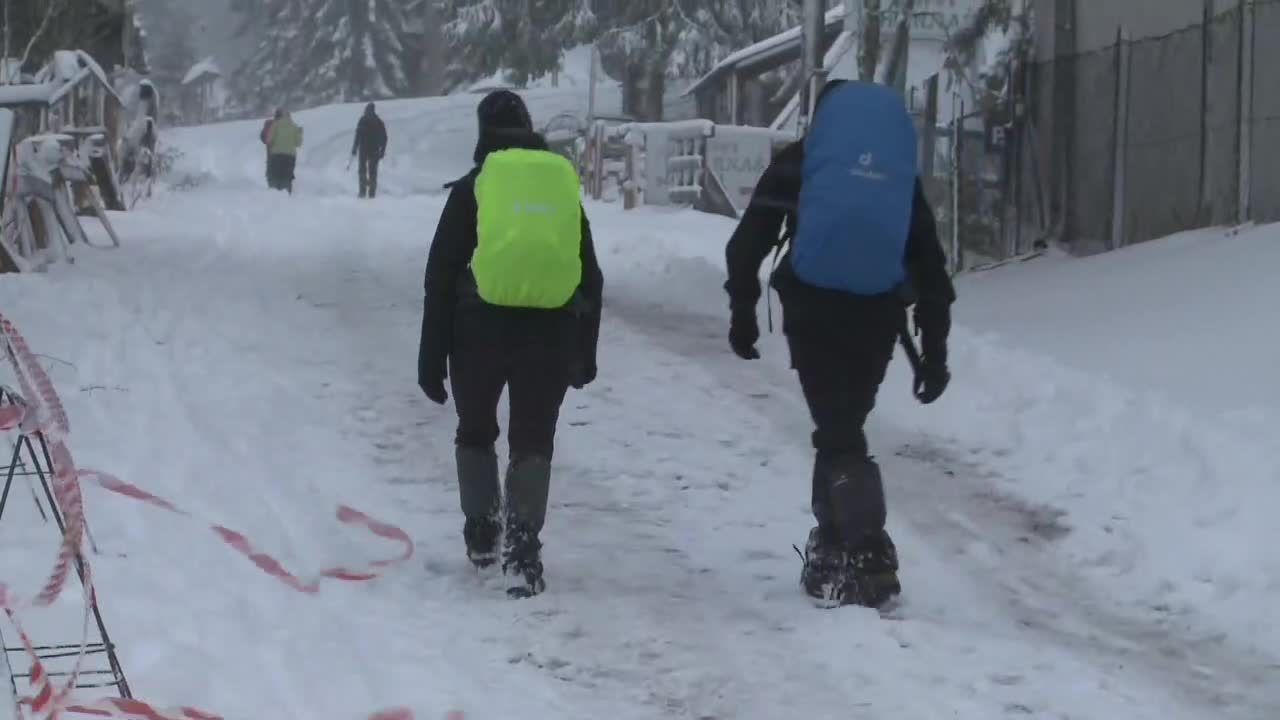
[
  {"x": 429, "y": 142},
  {"x": 1072, "y": 546}
]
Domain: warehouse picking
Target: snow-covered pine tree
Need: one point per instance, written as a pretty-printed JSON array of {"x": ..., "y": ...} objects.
[
  {"x": 322, "y": 51},
  {"x": 356, "y": 51},
  {"x": 268, "y": 80},
  {"x": 473, "y": 31},
  {"x": 710, "y": 31},
  {"x": 430, "y": 75},
  {"x": 526, "y": 38},
  {"x": 170, "y": 46}
]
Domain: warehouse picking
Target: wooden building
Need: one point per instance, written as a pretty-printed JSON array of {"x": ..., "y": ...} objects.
[
  {"x": 72, "y": 96},
  {"x": 737, "y": 91},
  {"x": 202, "y": 92}
]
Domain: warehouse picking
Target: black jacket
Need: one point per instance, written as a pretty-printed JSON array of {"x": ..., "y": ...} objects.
[
  {"x": 371, "y": 136},
  {"x": 449, "y": 280},
  {"x": 813, "y": 310}
]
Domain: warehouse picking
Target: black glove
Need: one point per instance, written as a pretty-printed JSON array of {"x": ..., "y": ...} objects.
[
  {"x": 432, "y": 384},
  {"x": 435, "y": 392},
  {"x": 583, "y": 376},
  {"x": 932, "y": 380},
  {"x": 744, "y": 331}
]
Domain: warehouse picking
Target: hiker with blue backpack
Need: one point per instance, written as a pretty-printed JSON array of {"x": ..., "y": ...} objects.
[
  {"x": 861, "y": 246},
  {"x": 513, "y": 299}
]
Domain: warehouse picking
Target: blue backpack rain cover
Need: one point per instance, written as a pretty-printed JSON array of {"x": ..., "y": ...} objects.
[{"x": 856, "y": 193}]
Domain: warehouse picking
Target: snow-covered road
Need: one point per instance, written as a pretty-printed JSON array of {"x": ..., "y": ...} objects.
[{"x": 254, "y": 357}]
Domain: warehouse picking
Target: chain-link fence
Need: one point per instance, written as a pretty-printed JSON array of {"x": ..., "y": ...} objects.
[{"x": 1152, "y": 136}]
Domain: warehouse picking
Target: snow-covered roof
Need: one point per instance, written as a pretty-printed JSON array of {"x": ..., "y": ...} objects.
[
  {"x": 30, "y": 94},
  {"x": 69, "y": 67},
  {"x": 65, "y": 65},
  {"x": 207, "y": 67},
  {"x": 784, "y": 43},
  {"x": 843, "y": 44}
]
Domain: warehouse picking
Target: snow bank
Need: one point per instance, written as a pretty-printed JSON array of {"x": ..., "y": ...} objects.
[
  {"x": 1171, "y": 508},
  {"x": 575, "y": 72},
  {"x": 430, "y": 143},
  {"x": 1132, "y": 391},
  {"x": 1129, "y": 391}
]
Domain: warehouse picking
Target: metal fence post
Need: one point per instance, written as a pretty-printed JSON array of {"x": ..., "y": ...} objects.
[
  {"x": 929, "y": 127},
  {"x": 1204, "y": 213},
  {"x": 1120, "y": 145},
  {"x": 1244, "y": 136},
  {"x": 957, "y": 175}
]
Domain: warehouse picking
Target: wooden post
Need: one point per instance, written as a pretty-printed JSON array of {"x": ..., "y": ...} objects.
[
  {"x": 591, "y": 88},
  {"x": 735, "y": 92},
  {"x": 629, "y": 180},
  {"x": 597, "y": 172},
  {"x": 957, "y": 178},
  {"x": 929, "y": 127}
]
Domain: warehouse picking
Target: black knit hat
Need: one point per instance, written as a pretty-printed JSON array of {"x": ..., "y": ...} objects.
[{"x": 503, "y": 110}]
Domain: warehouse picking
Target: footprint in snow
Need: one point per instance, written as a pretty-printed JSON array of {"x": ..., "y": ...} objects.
[{"x": 402, "y": 480}]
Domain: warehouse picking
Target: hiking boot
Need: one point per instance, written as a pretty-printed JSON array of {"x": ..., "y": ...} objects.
[
  {"x": 478, "y": 491},
  {"x": 481, "y": 535},
  {"x": 871, "y": 572},
  {"x": 824, "y": 567},
  {"x": 523, "y": 560}
]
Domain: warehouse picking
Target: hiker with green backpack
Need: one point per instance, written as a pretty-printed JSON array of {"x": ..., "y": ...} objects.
[
  {"x": 513, "y": 300},
  {"x": 283, "y": 139}
]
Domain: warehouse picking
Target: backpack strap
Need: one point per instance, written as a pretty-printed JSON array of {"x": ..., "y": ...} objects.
[
  {"x": 906, "y": 292},
  {"x": 777, "y": 253}
]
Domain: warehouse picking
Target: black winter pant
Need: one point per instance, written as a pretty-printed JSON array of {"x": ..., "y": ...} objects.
[
  {"x": 369, "y": 174},
  {"x": 280, "y": 170},
  {"x": 527, "y": 353},
  {"x": 840, "y": 374}
]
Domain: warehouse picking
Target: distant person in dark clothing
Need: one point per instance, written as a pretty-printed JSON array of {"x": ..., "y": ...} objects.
[
  {"x": 371, "y": 145},
  {"x": 513, "y": 298}
]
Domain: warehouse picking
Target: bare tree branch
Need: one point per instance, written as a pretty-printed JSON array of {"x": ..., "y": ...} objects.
[{"x": 54, "y": 6}]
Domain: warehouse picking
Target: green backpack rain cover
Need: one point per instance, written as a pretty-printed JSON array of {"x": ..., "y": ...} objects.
[{"x": 528, "y": 230}]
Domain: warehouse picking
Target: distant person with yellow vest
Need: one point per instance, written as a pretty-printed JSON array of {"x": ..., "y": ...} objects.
[
  {"x": 513, "y": 299},
  {"x": 284, "y": 138}
]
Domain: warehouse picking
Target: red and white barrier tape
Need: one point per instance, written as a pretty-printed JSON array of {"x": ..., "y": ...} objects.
[{"x": 47, "y": 416}]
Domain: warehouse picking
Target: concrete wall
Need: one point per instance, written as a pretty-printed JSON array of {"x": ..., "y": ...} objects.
[{"x": 1097, "y": 20}]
